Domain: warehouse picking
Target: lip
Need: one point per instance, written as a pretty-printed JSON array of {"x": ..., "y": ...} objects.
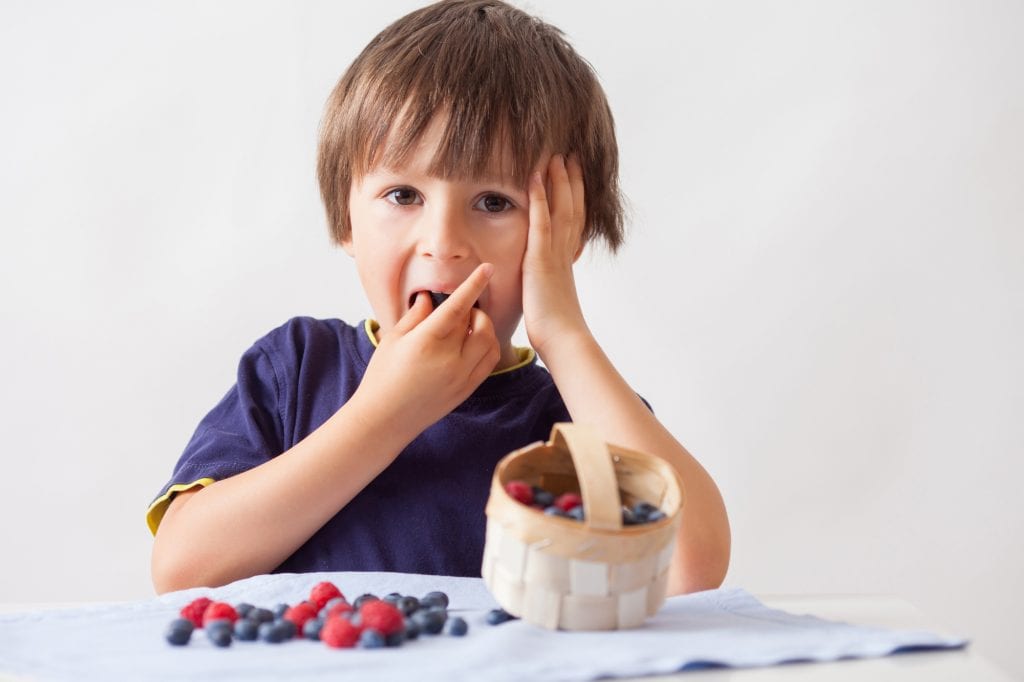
[
  {"x": 436, "y": 298},
  {"x": 439, "y": 291}
]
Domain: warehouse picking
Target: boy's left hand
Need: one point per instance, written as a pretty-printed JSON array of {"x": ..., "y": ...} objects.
[{"x": 551, "y": 307}]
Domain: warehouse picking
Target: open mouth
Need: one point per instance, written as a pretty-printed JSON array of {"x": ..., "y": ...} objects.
[{"x": 436, "y": 298}]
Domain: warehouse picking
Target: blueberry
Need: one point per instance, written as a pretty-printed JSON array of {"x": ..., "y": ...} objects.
[
  {"x": 577, "y": 513},
  {"x": 642, "y": 510},
  {"x": 395, "y": 638},
  {"x": 219, "y": 624},
  {"x": 412, "y": 630},
  {"x": 542, "y": 497},
  {"x": 371, "y": 639},
  {"x": 261, "y": 615},
  {"x": 279, "y": 611},
  {"x": 267, "y": 633},
  {"x": 219, "y": 632},
  {"x": 430, "y": 621},
  {"x": 437, "y": 298},
  {"x": 290, "y": 628},
  {"x": 656, "y": 515},
  {"x": 274, "y": 633},
  {"x": 555, "y": 511},
  {"x": 179, "y": 631},
  {"x": 499, "y": 616},
  {"x": 456, "y": 627},
  {"x": 311, "y": 630},
  {"x": 408, "y": 605},
  {"x": 362, "y": 599},
  {"x": 392, "y": 598},
  {"x": 435, "y": 599},
  {"x": 628, "y": 517},
  {"x": 246, "y": 630}
]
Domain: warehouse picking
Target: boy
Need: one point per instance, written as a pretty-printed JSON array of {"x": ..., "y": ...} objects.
[{"x": 468, "y": 152}]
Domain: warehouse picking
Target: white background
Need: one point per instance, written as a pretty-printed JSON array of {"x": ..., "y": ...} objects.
[{"x": 822, "y": 294}]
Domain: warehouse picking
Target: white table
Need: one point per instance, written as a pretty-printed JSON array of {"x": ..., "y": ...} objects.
[{"x": 965, "y": 665}]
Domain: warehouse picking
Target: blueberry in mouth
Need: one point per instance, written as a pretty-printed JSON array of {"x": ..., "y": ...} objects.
[{"x": 436, "y": 299}]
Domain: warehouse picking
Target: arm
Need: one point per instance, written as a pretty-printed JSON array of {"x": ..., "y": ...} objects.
[
  {"x": 250, "y": 523},
  {"x": 593, "y": 390}
]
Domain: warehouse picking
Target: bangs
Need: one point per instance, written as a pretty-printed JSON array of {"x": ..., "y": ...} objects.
[{"x": 493, "y": 90}]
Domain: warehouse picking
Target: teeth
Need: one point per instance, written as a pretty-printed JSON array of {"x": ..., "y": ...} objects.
[{"x": 436, "y": 298}]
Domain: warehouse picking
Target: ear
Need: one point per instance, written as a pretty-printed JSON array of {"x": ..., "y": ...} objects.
[
  {"x": 346, "y": 241},
  {"x": 579, "y": 250},
  {"x": 346, "y": 244}
]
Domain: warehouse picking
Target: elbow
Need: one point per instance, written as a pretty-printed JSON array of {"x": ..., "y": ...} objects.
[
  {"x": 166, "y": 576},
  {"x": 170, "y": 571},
  {"x": 695, "y": 569}
]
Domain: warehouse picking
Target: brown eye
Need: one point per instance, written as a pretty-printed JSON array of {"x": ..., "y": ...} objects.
[
  {"x": 403, "y": 196},
  {"x": 494, "y": 203}
]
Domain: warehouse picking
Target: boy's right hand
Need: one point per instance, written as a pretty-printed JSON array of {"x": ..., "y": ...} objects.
[{"x": 431, "y": 360}]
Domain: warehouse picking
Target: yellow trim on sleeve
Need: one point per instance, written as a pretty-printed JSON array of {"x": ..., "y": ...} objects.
[
  {"x": 371, "y": 327},
  {"x": 525, "y": 354},
  {"x": 156, "y": 511}
]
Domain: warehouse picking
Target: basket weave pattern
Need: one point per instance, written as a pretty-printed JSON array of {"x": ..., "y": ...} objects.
[{"x": 593, "y": 575}]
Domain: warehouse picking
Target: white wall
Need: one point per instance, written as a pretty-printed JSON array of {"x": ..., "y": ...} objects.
[{"x": 823, "y": 295}]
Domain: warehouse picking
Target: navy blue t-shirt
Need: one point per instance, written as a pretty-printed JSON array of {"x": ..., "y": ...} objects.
[{"x": 422, "y": 514}]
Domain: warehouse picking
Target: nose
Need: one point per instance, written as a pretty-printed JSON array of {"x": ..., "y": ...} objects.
[{"x": 443, "y": 233}]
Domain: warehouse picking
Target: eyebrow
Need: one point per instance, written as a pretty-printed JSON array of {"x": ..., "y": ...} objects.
[{"x": 485, "y": 178}]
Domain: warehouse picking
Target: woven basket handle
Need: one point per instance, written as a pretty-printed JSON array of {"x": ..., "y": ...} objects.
[{"x": 599, "y": 486}]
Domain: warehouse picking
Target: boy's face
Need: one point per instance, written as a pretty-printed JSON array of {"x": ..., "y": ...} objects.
[{"x": 414, "y": 232}]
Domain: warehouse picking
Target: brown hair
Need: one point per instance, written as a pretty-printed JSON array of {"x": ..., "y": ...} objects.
[{"x": 495, "y": 73}]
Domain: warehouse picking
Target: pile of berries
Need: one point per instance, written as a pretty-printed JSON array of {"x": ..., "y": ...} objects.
[
  {"x": 570, "y": 505},
  {"x": 368, "y": 622}
]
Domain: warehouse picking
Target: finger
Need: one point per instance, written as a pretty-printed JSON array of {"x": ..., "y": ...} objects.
[
  {"x": 540, "y": 214},
  {"x": 561, "y": 192},
  {"x": 579, "y": 203},
  {"x": 421, "y": 308},
  {"x": 480, "y": 329},
  {"x": 453, "y": 314},
  {"x": 487, "y": 363},
  {"x": 482, "y": 343}
]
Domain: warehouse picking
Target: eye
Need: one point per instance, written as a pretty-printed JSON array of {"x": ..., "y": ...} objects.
[
  {"x": 494, "y": 203},
  {"x": 402, "y": 196}
]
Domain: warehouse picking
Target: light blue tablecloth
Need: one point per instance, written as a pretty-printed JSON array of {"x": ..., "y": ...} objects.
[{"x": 726, "y": 627}]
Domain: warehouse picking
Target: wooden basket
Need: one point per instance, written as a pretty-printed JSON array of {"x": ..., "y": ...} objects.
[{"x": 597, "y": 574}]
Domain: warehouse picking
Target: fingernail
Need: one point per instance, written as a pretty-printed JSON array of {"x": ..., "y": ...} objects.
[{"x": 487, "y": 269}]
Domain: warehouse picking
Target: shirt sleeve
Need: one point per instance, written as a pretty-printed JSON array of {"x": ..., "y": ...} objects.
[{"x": 242, "y": 431}]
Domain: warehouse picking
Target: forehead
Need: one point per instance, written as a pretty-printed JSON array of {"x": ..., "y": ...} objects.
[{"x": 438, "y": 150}]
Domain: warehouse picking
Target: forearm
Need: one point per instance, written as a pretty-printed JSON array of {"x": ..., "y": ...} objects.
[
  {"x": 250, "y": 523},
  {"x": 596, "y": 394}
]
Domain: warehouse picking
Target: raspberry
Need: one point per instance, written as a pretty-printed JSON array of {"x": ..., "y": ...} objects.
[
  {"x": 339, "y": 609},
  {"x": 381, "y": 616},
  {"x": 323, "y": 593},
  {"x": 567, "y": 501},
  {"x": 300, "y": 613},
  {"x": 219, "y": 610},
  {"x": 519, "y": 491},
  {"x": 193, "y": 611},
  {"x": 339, "y": 633}
]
